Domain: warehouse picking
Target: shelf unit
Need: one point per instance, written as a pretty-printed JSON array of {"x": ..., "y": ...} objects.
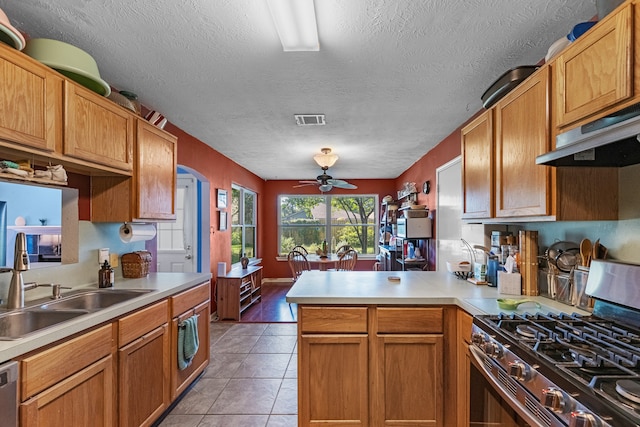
[
  {"x": 401, "y": 259},
  {"x": 238, "y": 290},
  {"x": 388, "y": 217}
]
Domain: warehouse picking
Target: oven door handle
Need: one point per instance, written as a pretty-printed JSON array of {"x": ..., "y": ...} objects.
[{"x": 477, "y": 358}]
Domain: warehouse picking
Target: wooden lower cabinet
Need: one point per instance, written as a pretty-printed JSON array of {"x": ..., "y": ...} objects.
[
  {"x": 192, "y": 302},
  {"x": 408, "y": 382},
  {"x": 372, "y": 366},
  {"x": 143, "y": 366},
  {"x": 238, "y": 290},
  {"x": 334, "y": 380},
  {"x": 84, "y": 399},
  {"x": 464, "y": 321},
  {"x": 70, "y": 383}
]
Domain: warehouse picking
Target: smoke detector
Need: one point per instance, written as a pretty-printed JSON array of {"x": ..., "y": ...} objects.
[{"x": 310, "y": 119}]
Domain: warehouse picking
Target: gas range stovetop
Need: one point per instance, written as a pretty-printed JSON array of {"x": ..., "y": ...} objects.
[
  {"x": 580, "y": 371},
  {"x": 576, "y": 352}
]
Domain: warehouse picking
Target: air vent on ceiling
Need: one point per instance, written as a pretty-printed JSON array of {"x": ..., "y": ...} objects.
[{"x": 309, "y": 119}]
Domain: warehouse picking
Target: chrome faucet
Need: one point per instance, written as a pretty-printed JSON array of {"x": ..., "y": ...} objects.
[{"x": 20, "y": 264}]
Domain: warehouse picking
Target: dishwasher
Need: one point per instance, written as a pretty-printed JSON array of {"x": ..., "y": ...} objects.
[{"x": 9, "y": 394}]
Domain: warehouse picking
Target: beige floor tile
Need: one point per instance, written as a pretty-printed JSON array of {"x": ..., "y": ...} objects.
[
  {"x": 263, "y": 366},
  {"x": 247, "y": 396},
  {"x": 247, "y": 329},
  {"x": 287, "y": 399},
  {"x": 292, "y": 369},
  {"x": 282, "y": 329},
  {"x": 234, "y": 344},
  {"x": 218, "y": 329},
  {"x": 224, "y": 365},
  {"x": 283, "y": 421},
  {"x": 234, "y": 421},
  {"x": 181, "y": 421},
  {"x": 275, "y": 344},
  {"x": 201, "y": 396}
]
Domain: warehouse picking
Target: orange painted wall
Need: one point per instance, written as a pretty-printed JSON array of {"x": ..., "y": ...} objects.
[
  {"x": 269, "y": 228},
  {"x": 221, "y": 173},
  {"x": 425, "y": 170}
]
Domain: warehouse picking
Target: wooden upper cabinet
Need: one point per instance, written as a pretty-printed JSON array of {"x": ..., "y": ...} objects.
[
  {"x": 156, "y": 174},
  {"x": 522, "y": 133},
  {"x": 477, "y": 167},
  {"x": 97, "y": 130},
  {"x": 597, "y": 72},
  {"x": 30, "y": 102}
]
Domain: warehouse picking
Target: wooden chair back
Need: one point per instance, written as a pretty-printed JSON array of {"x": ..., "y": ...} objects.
[
  {"x": 347, "y": 261},
  {"x": 298, "y": 263},
  {"x": 300, "y": 249}
]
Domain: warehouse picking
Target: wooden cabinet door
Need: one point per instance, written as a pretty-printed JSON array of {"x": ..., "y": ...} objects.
[
  {"x": 83, "y": 399},
  {"x": 333, "y": 380},
  {"x": 522, "y": 133},
  {"x": 156, "y": 174},
  {"x": 409, "y": 385},
  {"x": 30, "y": 102},
  {"x": 97, "y": 130},
  {"x": 464, "y": 321},
  {"x": 181, "y": 379},
  {"x": 143, "y": 389},
  {"x": 477, "y": 167},
  {"x": 597, "y": 71}
]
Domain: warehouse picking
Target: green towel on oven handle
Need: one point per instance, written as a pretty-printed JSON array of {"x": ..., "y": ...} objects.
[{"x": 188, "y": 341}]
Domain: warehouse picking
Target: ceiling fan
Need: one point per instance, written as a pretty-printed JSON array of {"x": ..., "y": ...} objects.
[{"x": 325, "y": 182}]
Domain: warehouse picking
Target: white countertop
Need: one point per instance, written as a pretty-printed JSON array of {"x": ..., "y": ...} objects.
[
  {"x": 161, "y": 285},
  {"x": 414, "y": 288}
]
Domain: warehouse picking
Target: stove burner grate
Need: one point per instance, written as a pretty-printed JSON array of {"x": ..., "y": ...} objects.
[{"x": 629, "y": 389}]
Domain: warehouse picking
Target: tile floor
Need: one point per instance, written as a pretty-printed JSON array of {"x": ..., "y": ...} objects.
[{"x": 251, "y": 380}]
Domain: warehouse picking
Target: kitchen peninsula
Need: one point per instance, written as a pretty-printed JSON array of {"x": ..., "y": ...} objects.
[{"x": 381, "y": 346}]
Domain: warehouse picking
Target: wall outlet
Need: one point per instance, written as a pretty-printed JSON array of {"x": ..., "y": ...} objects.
[
  {"x": 114, "y": 260},
  {"x": 103, "y": 255}
]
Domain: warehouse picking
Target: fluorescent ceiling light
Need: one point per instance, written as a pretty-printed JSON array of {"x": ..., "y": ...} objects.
[{"x": 295, "y": 21}]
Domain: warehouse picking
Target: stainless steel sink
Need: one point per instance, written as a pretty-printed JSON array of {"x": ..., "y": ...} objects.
[
  {"x": 94, "y": 300},
  {"x": 17, "y": 324}
]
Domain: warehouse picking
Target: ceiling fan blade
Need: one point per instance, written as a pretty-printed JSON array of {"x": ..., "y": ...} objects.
[
  {"x": 341, "y": 184},
  {"x": 305, "y": 184}
]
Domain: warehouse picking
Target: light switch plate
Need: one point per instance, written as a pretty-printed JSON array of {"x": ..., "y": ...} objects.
[{"x": 103, "y": 255}]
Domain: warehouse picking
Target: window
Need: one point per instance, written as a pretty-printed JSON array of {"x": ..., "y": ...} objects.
[
  {"x": 243, "y": 223},
  {"x": 340, "y": 220}
]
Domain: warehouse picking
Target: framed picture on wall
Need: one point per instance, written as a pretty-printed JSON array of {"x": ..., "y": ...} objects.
[
  {"x": 223, "y": 221},
  {"x": 222, "y": 199}
]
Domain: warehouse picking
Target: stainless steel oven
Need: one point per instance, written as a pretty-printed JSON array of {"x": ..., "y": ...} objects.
[{"x": 558, "y": 370}]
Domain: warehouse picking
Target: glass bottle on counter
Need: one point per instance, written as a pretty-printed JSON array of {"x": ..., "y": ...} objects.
[{"x": 106, "y": 275}]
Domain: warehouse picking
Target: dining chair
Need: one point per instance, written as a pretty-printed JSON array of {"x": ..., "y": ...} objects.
[
  {"x": 347, "y": 261},
  {"x": 298, "y": 263},
  {"x": 342, "y": 249},
  {"x": 300, "y": 249}
]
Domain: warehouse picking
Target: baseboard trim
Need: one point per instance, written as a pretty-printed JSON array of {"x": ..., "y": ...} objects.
[{"x": 276, "y": 281}]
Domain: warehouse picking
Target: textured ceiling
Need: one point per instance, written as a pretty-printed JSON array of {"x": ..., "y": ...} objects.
[{"x": 393, "y": 77}]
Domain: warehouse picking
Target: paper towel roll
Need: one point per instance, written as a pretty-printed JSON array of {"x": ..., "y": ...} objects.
[{"x": 137, "y": 232}]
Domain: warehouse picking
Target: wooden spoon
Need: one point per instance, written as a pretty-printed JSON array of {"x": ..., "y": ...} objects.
[
  {"x": 585, "y": 251},
  {"x": 595, "y": 250}
]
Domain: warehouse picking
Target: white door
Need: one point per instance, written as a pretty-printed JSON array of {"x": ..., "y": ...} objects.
[
  {"x": 449, "y": 212},
  {"x": 177, "y": 251}
]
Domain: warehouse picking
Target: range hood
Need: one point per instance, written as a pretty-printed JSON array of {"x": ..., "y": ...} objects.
[{"x": 609, "y": 141}]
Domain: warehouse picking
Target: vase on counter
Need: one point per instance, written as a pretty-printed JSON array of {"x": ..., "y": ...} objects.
[{"x": 244, "y": 261}]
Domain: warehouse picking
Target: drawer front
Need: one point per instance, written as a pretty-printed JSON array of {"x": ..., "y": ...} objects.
[
  {"x": 333, "y": 319},
  {"x": 49, "y": 367},
  {"x": 137, "y": 324},
  {"x": 407, "y": 320},
  {"x": 189, "y": 299}
]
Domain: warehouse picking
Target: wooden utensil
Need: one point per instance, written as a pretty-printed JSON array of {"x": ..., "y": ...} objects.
[
  {"x": 585, "y": 251},
  {"x": 595, "y": 249}
]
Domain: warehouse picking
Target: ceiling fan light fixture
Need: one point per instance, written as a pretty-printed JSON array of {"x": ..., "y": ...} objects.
[
  {"x": 295, "y": 22},
  {"x": 326, "y": 159}
]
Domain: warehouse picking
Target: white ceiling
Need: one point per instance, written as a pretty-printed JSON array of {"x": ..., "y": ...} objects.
[{"x": 393, "y": 77}]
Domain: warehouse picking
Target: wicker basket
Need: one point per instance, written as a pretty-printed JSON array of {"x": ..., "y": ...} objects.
[{"x": 136, "y": 264}]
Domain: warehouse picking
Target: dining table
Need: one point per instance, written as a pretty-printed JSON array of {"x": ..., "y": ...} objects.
[{"x": 324, "y": 263}]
